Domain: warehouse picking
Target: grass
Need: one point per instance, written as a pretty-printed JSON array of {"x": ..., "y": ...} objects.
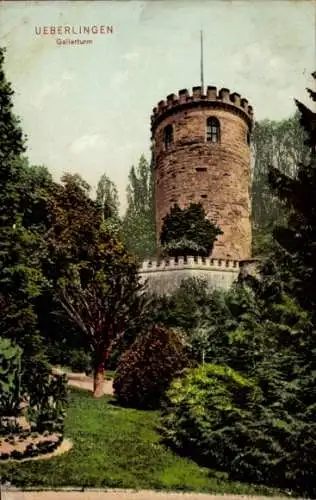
[{"x": 117, "y": 447}]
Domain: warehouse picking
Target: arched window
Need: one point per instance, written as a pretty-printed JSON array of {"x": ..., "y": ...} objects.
[
  {"x": 212, "y": 130},
  {"x": 168, "y": 135}
]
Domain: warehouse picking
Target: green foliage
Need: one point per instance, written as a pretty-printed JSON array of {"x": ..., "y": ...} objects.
[
  {"x": 108, "y": 201},
  {"x": 10, "y": 374},
  {"x": 201, "y": 409},
  {"x": 184, "y": 307},
  {"x": 269, "y": 437},
  {"x": 187, "y": 231},
  {"x": 96, "y": 280},
  {"x": 138, "y": 225},
  {"x": 281, "y": 144},
  {"x": 208, "y": 319},
  {"x": 22, "y": 222},
  {"x": 145, "y": 371},
  {"x": 47, "y": 404},
  {"x": 107, "y": 197},
  {"x": 12, "y": 141}
]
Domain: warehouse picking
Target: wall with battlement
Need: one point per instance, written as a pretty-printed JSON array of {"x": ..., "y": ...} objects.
[
  {"x": 164, "y": 276},
  {"x": 192, "y": 170}
]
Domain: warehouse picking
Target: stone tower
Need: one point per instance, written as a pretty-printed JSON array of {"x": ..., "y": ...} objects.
[{"x": 201, "y": 146}]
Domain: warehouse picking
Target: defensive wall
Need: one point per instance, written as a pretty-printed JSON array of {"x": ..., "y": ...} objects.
[{"x": 164, "y": 276}]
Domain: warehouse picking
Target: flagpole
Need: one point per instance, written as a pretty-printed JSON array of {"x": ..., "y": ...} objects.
[{"x": 201, "y": 63}]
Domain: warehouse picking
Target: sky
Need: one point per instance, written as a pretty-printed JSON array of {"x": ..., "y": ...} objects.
[{"x": 86, "y": 108}]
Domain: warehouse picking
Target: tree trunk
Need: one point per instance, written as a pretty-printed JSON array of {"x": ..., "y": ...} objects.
[{"x": 98, "y": 380}]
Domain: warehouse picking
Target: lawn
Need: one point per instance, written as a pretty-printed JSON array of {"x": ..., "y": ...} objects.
[{"x": 117, "y": 447}]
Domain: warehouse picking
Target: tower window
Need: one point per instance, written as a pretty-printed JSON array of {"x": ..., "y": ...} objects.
[
  {"x": 168, "y": 135},
  {"x": 212, "y": 130}
]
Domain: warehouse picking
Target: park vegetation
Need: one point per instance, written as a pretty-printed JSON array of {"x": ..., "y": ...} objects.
[{"x": 228, "y": 378}]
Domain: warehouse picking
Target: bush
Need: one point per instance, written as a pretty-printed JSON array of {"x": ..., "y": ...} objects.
[
  {"x": 10, "y": 377},
  {"x": 146, "y": 370},
  {"x": 188, "y": 231},
  {"x": 77, "y": 359},
  {"x": 80, "y": 361},
  {"x": 201, "y": 409}
]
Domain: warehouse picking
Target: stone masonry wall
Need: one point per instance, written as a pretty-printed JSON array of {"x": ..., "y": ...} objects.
[
  {"x": 215, "y": 174},
  {"x": 165, "y": 276}
]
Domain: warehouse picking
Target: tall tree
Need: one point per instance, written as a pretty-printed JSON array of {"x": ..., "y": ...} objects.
[
  {"x": 107, "y": 198},
  {"x": 22, "y": 198},
  {"x": 297, "y": 239},
  {"x": 96, "y": 281},
  {"x": 138, "y": 228},
  {"x": 285, "y": 293},
  {"x": 281, "y": 144}
]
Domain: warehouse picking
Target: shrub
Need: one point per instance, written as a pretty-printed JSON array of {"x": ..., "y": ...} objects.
[
  {"x": 80, "y": 361},
  {"x": 201, "y": 409},
  {"x": 146, "y": 370},
  {"x": 188, "y": 231},
  {"x": 10, "y": 377}
]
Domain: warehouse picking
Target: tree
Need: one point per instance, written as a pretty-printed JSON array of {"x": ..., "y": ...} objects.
[
  {"x": 281, "y": 144},
  {"x": 21, "y": 250},
  {"x": 285, "y": 328},
  {"x": 297, "y": 239},
  {"x": 138, "y": 226},
  {"x": 107, "y": 199},
  {"x": 187, "y": 231},
  {"x": 96, "y": 280}
]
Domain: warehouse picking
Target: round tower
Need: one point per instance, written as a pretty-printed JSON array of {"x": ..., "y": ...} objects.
[{"x": 201, "y": 146}]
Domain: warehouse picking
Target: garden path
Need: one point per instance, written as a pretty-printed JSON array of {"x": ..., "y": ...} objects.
[
  {"x": 82, "y": 381},
  {"x": 121, "y": 495}
]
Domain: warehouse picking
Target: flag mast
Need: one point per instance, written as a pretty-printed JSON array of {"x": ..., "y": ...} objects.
[{"x": 202, "y": 62}]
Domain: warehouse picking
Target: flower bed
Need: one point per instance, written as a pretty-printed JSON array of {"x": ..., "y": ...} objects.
[{"x": 28, "y": 445}]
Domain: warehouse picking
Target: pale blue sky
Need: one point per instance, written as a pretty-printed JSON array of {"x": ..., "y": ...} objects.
[{"x": 87, "y": 109}]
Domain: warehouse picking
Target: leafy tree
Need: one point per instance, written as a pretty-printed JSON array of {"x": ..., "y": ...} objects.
[
  {"x": 296, "y": 240},
  {"x": 138, "y": 226},
  {"x": 281, "y": 144},
  {"x": 187, "y": 231},
  {"x": 108, "y": 200},
  {"x": 96, "y": 280}
]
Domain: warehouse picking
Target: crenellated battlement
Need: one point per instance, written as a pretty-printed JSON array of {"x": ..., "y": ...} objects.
[
  {"x": 212, "y": 97},
  {"x": 166, "y": 275},
  {"x": 173, "y": 263}
]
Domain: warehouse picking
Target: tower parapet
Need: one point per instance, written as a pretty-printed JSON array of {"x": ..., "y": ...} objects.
[{"x": 217, "y": 98}]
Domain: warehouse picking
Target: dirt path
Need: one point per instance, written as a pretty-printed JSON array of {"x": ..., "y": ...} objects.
[
  {"x": 119, "y": 495},
  {"x": 81, "y": 381}
]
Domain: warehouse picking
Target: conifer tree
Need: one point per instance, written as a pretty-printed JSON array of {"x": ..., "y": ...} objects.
[
  {"x": 281, "y": 433},
  {"x": 297, "y": 240},
  {"x": 21, "y": 279}
]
